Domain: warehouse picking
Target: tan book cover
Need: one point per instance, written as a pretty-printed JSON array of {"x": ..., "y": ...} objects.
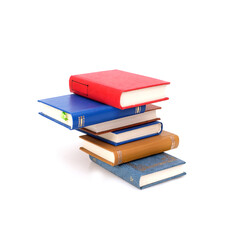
[{"x": 134, "y": 150}]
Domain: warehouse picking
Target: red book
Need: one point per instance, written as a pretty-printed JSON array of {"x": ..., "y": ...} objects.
[{"x": 118, "y": 88}]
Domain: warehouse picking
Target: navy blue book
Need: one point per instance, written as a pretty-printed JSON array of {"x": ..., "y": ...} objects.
[
  {"x": 74, "y": 111},
  {"x": 130, "y": 134},
  {"x": 148, "y": 171}
]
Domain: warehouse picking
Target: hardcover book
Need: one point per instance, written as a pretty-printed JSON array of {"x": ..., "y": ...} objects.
[
  {"x": 74, "y": 111},
  {"x": 118, "y": 88},
  {"x": 116, "y": 155},
  {"x": 146, "y": 172},
  {"x": 148, "y": 116},
  {"x": 130, "y": 134}
]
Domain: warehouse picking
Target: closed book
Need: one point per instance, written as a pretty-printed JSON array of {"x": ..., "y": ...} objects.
[
  {"x": 116, "y": 155},
  {"x": 118, "y": 88},
  {"x": 130, "y": 134},
  {"x": 150, "y": 115},
  {"x": 74, "y": 111},
  {"x": 148, "y": 171}
]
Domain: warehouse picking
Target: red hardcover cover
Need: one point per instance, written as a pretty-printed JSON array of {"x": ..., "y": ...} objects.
[{"x": 107, "y": 86}]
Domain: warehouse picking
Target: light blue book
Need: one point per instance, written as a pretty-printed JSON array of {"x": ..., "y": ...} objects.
[
  {"x": 130, "y": 134},
  {"x": 148, "y": 171}
]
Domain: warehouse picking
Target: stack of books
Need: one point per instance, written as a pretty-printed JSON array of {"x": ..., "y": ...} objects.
[{"x": 115, "y": 111}]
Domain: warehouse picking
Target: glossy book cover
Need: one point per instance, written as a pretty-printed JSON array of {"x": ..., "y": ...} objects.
[{"x": 84, "y": 111}]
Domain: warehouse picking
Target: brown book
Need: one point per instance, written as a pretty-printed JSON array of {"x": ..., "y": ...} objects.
[
  {"x": 148, "y": 116},
  {"x": 115, "y": 155}
]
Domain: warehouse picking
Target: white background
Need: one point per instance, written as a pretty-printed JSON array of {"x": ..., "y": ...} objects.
[{"x": 51, "y": 190}]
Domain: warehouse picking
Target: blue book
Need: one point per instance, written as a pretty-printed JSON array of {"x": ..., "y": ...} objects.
[
  {"x": 74, "y": 111},
  {"x": 148, "y": 171},
  {"x": 130, "y": 134}
]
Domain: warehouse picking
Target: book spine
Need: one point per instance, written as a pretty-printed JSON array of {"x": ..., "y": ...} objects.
[
  {"x": 133, "y": 178},
  {"x": 95, "y": 91},
  {"x": 94, "y": 116},
  {"x": 147, "y": 149},
  {"x": 79, "y": 121}
]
